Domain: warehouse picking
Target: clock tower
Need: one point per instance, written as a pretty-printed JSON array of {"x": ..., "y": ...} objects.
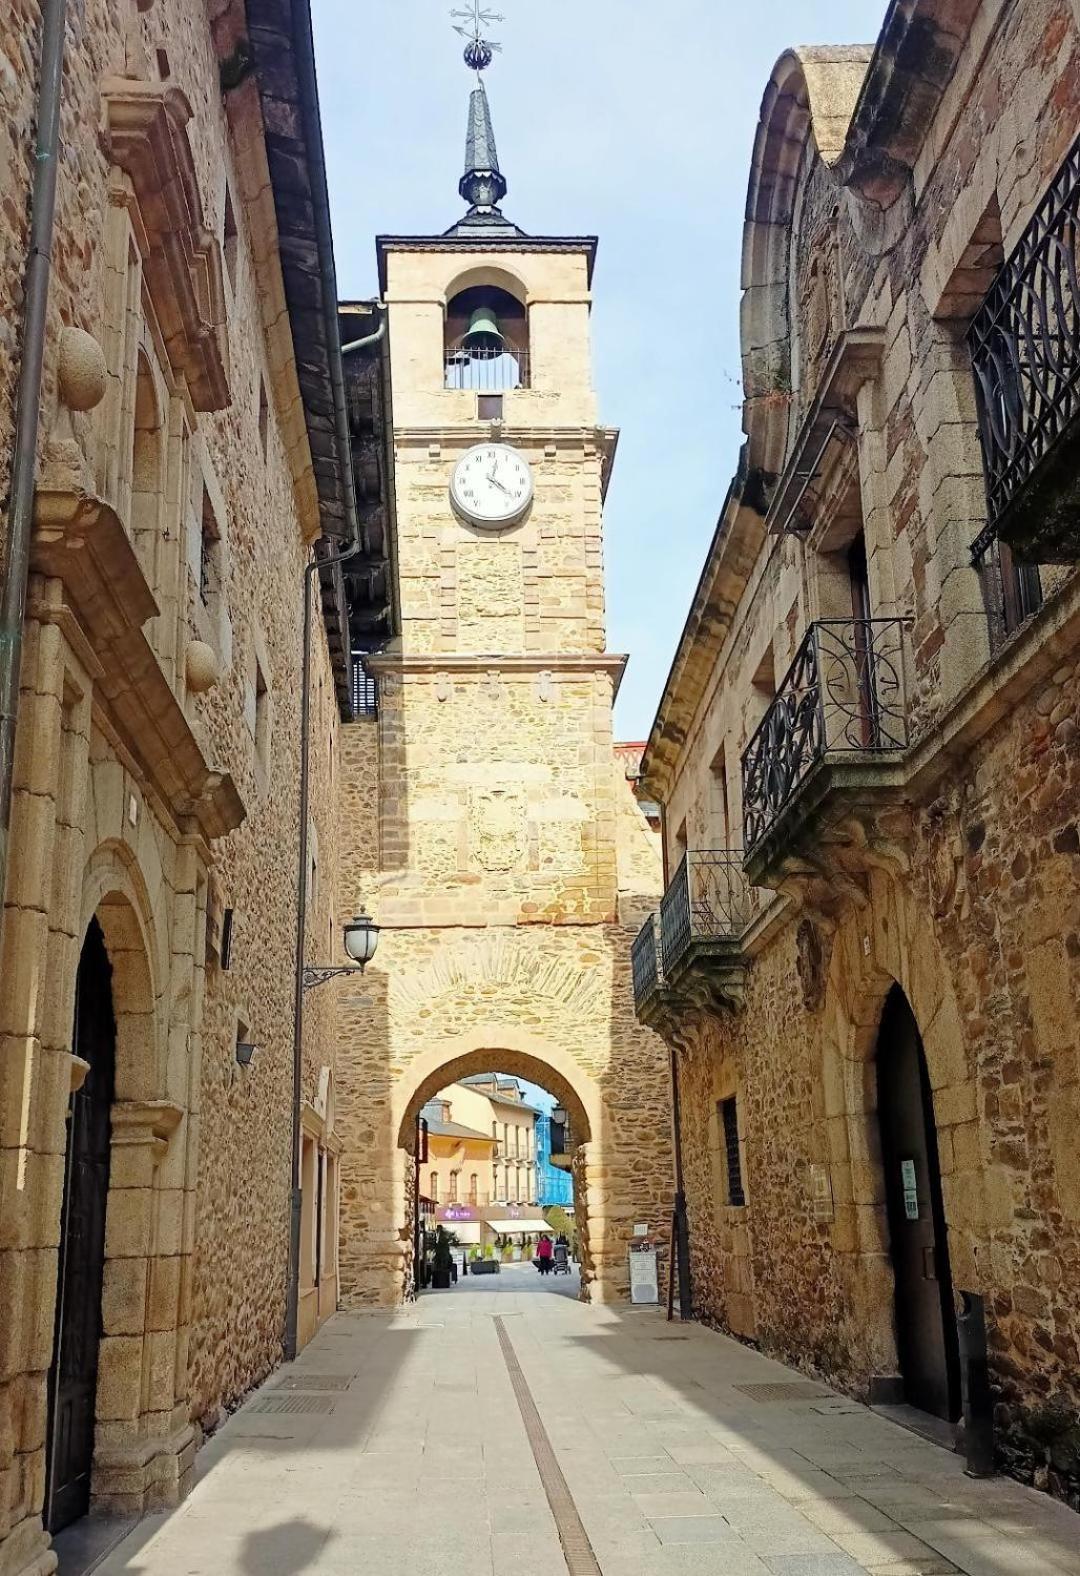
[{"x": 510, "y": 866}]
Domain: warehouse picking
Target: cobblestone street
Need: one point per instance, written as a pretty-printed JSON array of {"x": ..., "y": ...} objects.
[{"x": 396, "y": 1444}]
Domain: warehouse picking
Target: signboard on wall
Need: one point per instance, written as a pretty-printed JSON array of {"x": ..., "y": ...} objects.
[{"x": 644, "y": 1283}]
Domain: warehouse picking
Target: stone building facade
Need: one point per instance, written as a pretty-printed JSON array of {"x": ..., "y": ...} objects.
[
  {"x": 868, "y": 955},
  {"x": 149, "y": 920},
  {"x": 483, "y": 813}
]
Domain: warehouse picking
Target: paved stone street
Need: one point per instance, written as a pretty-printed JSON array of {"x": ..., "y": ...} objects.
[{"x": 396, "y": 1445}]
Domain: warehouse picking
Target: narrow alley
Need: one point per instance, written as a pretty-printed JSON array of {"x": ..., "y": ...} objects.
[{"x": 396, "y": 1444}]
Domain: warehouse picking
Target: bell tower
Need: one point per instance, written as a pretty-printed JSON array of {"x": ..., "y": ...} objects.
[
  {"x": 500, "y": 682},
  {"x": 506, "y": 859}
]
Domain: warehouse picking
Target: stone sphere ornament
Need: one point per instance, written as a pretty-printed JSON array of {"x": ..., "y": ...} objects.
[
  {"x": 81, "y": 371},
  {"x": 201, "y": 667}
]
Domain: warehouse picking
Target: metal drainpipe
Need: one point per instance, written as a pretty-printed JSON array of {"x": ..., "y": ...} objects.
[
  {"x": 28, "y": 400},
  {"x": 305, "y": 52}
]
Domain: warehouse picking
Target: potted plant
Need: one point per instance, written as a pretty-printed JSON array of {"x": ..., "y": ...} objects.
[{"x": 441, "y": 1273}]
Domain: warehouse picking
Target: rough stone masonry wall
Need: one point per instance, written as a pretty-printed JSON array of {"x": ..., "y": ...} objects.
[
  {"x": 238, "y": 1124},
  {"x": 551, "y": 1003},
  {"x": 979, "y": 920}
]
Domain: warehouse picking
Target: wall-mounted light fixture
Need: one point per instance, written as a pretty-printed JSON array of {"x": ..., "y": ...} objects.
[
  {"x": 245, "y": 1052},
  {"x": 361, "y": 937}
]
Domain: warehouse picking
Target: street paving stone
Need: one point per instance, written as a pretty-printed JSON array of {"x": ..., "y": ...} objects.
[{"x": 424, "y": 1464}]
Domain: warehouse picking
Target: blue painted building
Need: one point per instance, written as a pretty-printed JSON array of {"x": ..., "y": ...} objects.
[{"x": 552, "y": 1185}]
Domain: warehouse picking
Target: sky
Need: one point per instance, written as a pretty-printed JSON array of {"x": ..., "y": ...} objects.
[{"x": 630, "y": 120}]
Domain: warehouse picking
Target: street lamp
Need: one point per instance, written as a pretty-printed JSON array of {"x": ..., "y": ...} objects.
[
  {"x": 361, "y": 937},
  {"x": 560, "y": 1128}
]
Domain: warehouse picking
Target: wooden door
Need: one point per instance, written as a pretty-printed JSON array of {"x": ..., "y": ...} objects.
[
  {"x": 73, "y": 1376},
  {"x": 925, "y": 1319}
]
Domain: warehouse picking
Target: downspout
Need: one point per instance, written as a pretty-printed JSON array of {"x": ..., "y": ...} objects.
[
  {"x": 28, "y": 400},
  {"x": 305, "y": 54}
]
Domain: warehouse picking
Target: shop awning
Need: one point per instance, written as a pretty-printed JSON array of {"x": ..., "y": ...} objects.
[{"x": 518, "y": 1227}]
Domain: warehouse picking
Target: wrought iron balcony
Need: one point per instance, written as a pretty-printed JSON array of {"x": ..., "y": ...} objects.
[
  {"x": 645, "y": 964},
  {"x": 702, "y": 917},
  {"x": 842, "y": 703},
  {"x": 1025, "y": 353},
  {"x": 486, "y": 371}
]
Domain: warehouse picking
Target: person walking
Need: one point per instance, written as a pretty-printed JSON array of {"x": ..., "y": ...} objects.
[{"x": 543, "y": 1253}]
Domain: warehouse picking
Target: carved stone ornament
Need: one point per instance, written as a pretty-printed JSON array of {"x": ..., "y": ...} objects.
[
  {"x": 945, "y": 862},
  {"x": 819, "y": 309},
  {"x": 81, "y": 371},
  {"x": 810, "y": 962},
  {"x": 146, "y": 126},
  {"x": 498, "y": 829},
  {"x": 201, "y": 667}
]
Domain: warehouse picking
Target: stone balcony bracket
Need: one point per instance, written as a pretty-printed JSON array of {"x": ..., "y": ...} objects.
[{"x": 80, "y": 541}]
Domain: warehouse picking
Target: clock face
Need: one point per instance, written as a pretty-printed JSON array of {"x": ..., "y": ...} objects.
[{"x": 491, "y": 485}]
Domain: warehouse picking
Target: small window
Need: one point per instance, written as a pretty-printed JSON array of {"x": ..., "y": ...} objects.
[
  {"x": 262, "y": 715},
  {"x": 264, "y": 418},
  {"x": 230, "y": 239},
  {"x": 1012, "y": 591},
  {"x": 729, "y": 1116},
  {"x": 433, "y": 1187},
  {"x": 489, "y": 407},
  {"x": 209, "y": 554},
  {"x": 163, "y": 67}
]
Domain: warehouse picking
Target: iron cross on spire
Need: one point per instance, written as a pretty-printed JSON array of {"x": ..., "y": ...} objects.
[{"x": 479, "y": 51}]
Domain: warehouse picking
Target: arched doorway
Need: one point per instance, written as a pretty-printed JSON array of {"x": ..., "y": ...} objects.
[
  {"x": 926, "y": 1335},
  {"x": 73, "y": 1377},
  {"x": 518, "y": 1211}
]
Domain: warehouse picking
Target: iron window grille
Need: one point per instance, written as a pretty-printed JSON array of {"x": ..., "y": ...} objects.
[
  {"x": 1025, "y": 350},
  {"x": 707, "y": 900},
  {"x": 729, "y": 1116},
  {"x": 843, "y": 694},
  {"x": 1012, "y": 591},
  {"x": 364, "y": 690}
]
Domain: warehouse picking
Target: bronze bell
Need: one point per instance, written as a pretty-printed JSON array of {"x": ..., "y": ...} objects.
[{"x": 484, "y": 333}]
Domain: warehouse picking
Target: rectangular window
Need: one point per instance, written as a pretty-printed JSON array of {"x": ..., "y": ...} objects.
[
  {"x": 474, "y": 1188},
  {"x": 264, "y": 417},
  {"x": 209, "y": 554},
  {"x": 453, "y": 1187},
  {"x": 433, "y": 1187},
  {"x": 729, "y": 1116},
  {"x": 262, "y": 715},
  {"x": 1012, "y": 591},
  {"x": 489, "y": 407},
  {"x": 230, "y": 239}
]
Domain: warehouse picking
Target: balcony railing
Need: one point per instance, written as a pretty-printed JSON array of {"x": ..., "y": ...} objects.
[
  {"x": 645, "y": 962},
  {"x": 364, "y": 690},
  {"x": 1025, "y": 353},
  {"x": 707, "y": 901},
  {"x": 486, "y": 371},
  {"x": 843, "y": 695}
]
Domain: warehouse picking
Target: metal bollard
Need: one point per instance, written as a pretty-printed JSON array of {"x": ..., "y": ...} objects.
[{"x": 975, "y": 1387}]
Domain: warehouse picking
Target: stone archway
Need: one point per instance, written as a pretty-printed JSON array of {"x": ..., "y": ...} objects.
[
  {"x": 891, "y": 946},
  {"x": 520, "y": 1055},
  {"x": 144, "y": 1439}
]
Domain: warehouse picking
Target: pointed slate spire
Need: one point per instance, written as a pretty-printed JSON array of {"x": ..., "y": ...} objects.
[{"x": 483, "y": 185}]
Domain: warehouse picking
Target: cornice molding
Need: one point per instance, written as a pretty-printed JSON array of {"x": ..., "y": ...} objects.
[
  {"x": 80, "y": 542},
  {"x": 146, "y": 135}
]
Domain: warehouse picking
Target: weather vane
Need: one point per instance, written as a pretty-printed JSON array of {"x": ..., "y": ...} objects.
[{"x": 479, "y": 51}]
